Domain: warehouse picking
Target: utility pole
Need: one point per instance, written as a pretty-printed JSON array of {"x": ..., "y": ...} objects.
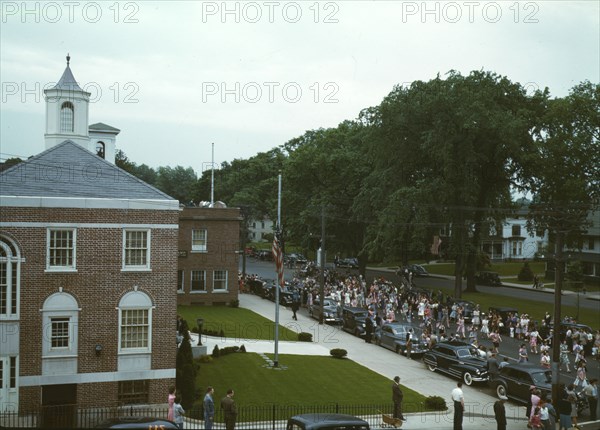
[
  {"x": 322, "y": 286},
  {"x": 558, "y": 280}
]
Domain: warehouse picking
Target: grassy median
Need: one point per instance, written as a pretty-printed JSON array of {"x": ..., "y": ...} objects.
[{"x": 306, "y": 380}]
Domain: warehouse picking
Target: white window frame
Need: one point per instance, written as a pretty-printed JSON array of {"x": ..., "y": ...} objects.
[
  {"x": 135, "y": 300},
  {"x": 67, "y": 320},
  {"x": 221, "y": 290},
  {"x": 140, "y": 267},
  {"x": 200, "y": 247},
  {"x": 62, "y": 268},
  {"x": 13, "y": 263},
  {"x": 196, "y": 291},
  {"x": 145, "y": 344}
]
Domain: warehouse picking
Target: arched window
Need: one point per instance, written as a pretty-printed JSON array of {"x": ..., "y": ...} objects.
[
  {"x": 60, "y": 325},
  {"x": 100, "y": 149},
  {"x": 135, "y": 322},
  {"x": 10, "y": 279},
  {"x": 67, "y": 117}
]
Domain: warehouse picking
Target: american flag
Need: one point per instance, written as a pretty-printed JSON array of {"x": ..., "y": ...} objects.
[{"x": 278, "y": 256}]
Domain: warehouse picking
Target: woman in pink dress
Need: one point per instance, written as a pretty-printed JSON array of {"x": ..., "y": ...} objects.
[{"x": 171, "y": 403}]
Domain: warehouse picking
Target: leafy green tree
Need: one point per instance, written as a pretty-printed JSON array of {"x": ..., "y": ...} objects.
[{"x": 178, "y": 182}]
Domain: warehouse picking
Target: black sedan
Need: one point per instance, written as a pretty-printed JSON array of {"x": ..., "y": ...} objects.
[
  {"x": 354, "y": 320},
  {"x": 457, "y": 359},
  {"x": 394, "y": 336},
  {"x": 136, "y": 423},
  {"x": 331, "y": 311},
  {"x": 351, "y": 263},
  {"x": 514, "y": 381},
  {"x": 467, "y": 308}
]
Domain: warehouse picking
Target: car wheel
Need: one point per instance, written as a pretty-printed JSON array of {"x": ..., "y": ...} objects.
[
  {"x": 356, "y": 333},
  {"x": 432, "y": 367},
  {"x": 378, "y": 341},
  {"x": 501, "y": 390},
  {"x": 398, "y": 349},
  {"x": 467, "y": 378}
]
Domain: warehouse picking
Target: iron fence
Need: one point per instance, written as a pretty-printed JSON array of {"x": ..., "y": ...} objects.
[{"x": 251, "y": 416}]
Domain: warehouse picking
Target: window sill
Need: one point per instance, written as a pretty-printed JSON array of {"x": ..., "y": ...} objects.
[
  {"x": 197, "y": 251},
  {"x": 220, "y": 291},
  {"x": 136, "y": 269},
  {"x": 52, "y": 356},
  {"x": 134, "y": 351},
  {"x": 60, "y": 270},
  {"x": 198, "y": 292}
]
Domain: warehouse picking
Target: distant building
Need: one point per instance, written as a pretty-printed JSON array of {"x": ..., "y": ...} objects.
[
  {"x": 512, "y": 241},
  {"x": 260, "y": 230},
  {"x": 88, "y": 258},
  {"x": 208, "y": 262}
]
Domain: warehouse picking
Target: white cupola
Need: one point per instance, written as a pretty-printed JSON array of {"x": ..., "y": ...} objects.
[{"x": 67, "y": 112}]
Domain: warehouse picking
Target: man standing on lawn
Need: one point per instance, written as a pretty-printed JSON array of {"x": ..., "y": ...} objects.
[
  {"x": 397, "y": 397},
  {"x": 209, "y": 408},
  {"x": 229, "y": 410}
]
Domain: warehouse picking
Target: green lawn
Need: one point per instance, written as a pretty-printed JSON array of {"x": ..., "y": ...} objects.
[
  {"x": 308, "y": 380},
  {"x": 237, "y": 323},
  {"x": 504, "y": 269},
  {"x": 534, "y": 308}
]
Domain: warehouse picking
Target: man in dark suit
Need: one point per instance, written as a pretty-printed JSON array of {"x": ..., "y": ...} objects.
[
  {"x": 368, "y": 328},
  {"x": 229, "y": 410},
  {"x": 500, "y": 413},
  {"x": 397, "y": 397}
]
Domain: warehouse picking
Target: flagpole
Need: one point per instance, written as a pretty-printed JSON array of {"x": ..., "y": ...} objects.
[{"x": 278, "y": 285}]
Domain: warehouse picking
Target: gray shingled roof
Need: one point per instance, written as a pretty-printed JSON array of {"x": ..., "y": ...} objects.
[
  {"x": 67, "y": 81},
  {"x": 100, "y": 126},
  {"x": 68, "y": 170}
]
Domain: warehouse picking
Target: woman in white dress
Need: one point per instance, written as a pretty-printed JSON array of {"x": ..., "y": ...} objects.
[
  {"x": 475, "y": 320},
  {"x": 485, "y": 331}
]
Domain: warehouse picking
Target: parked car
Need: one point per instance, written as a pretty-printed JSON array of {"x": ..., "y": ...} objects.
[
  {"x": 295, "y": 258},
  {"x": 393, "y": 336},
  {"x": 416, "y": 269},
  {"x": 136, "y": 423},
  {"x": 351, "y": 263},
  {"x": 326, "y": 421},
  {"x": 488, "y": 278},
  {"x": 515, "y": 379},
  {"x": 353, "y": 320},
  {"x": 457, "y": 359},
  {"x": 565, "y": 326},
  {"x": 264, "y": 255},
  {"x": 331, "y": 311}
]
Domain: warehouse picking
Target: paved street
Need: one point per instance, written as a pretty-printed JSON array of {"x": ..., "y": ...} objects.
[{"x": 413, "y": 373}]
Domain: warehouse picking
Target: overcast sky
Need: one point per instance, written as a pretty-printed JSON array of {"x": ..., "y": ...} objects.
[{"x": 176, "y": 76}]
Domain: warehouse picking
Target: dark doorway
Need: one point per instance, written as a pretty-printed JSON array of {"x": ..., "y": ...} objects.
[{"x": 59, "y": 406}]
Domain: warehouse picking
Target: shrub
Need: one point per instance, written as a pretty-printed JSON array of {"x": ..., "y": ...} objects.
[
  {"x": 228, "y": 350},
  {"x": 185, "y": 374},
  {"x": 205, "y": 358},
  {"x": 526, "y": 274},
  {"x": 304, "y": 337},
  {"x": 436, "y": 403},
  {"x": 338, "y": 353},
  {"x": 234, "y": 303},
  {"x": 216, "y": 351},
  {"x": 242, "y": 348}
]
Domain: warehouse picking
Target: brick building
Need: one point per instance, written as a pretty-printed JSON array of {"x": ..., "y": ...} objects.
[
  {"x": 208, "y": 258},
  {"x": 88, "y": 258}
]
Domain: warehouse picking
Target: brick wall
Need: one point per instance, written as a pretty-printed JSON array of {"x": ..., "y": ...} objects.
[
  {"x": 223, "y": 244},
  {"x": 97, "y": 286}
]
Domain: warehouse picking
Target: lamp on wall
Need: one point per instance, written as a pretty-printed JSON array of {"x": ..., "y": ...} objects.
[{"x": 98, "y": 349}]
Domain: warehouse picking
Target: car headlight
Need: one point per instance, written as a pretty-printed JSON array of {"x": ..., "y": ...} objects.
[
  {"x": 477, "y": 371},
  {"x": 363, "y": 325}
]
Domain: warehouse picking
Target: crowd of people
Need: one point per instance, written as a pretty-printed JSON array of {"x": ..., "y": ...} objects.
[{"x": 443, "y": 318}]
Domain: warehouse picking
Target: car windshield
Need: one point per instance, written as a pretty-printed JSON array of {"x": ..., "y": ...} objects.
[
  {"x": 360, "y": 315},
  {"x": 542, "y": 378}
]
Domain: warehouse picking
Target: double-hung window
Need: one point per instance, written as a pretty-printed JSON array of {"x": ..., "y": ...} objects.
[
  {"x": 220, "y": 280},
  {"x": 59, "y": 335},
  {"x": 136, "y": 249},
  {"x": 60, "y": 249},
  {"x": 198, "y": 281},
  {"x": 199, "y": 241}
]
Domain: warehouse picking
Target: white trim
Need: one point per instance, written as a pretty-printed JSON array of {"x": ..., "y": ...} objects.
[
  {"x": 144, "y": 268},
  {"x": 87, "y": 203},
  {"x": 73, "y": 266},
  {"x": 87, "y": 225},
  {"x": 89, "y": 378}
]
